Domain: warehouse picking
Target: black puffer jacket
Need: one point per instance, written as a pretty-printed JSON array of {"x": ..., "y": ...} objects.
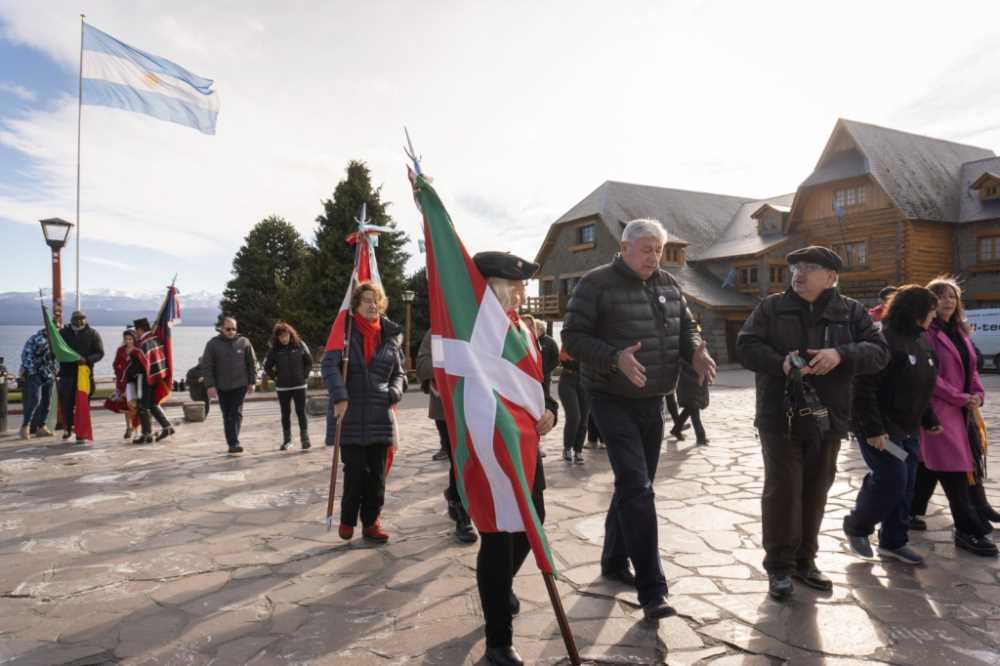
[
  {"x": 85, "y": 342},
  {"x": 897, "y": 400},
  {"x": 288, "y": 365},
  {"x": 610, "y": 309},
  {"x": 371, "y": 389},
  {"x": 783, "y": 323}
]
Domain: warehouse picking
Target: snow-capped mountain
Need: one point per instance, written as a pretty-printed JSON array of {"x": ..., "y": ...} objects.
[{"x": 110, "y": 307}]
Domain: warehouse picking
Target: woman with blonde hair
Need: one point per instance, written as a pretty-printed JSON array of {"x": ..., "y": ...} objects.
[
  {"x": 949, "y": 457},
  {"x": 375, "y": 382}
]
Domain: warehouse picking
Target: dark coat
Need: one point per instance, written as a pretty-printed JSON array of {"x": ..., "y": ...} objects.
[
  {"x": 229, "y": 364},
  {"x": 896, "y": 400},
  {"x": 550, "y": 360},
  {"x": 288, "y": 365},
  {"x": 691, "y": 394},
  {"x": 425, "y": 375},
  {"x": 87, "y": 343},
  {"x": 371, "y": 390},
  {"x": 610, "y": 309},
  {"x": 783, "y": 323}
]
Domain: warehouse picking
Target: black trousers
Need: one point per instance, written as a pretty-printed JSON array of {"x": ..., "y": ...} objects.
[
  {"x": 593, "y": 432},
  {"x": 695, "y": 415},
  {"x": 231, "y": 406},
  {"x": 959, "y": 493},
  {"x": 501, "y": 555},
  {"x": 672, "y": 409},
  {"x": 452, "y": 490},
  {"x": 798, "y": 474},
  {"x": 633, "y": 432},
  {"x": 364, "y": 483},
  {"x": 576, "y": 410},
  {"x": 67, "y": 400},
  {"x": 148, "y": 407},
  {"x": 285, "y": 399}
]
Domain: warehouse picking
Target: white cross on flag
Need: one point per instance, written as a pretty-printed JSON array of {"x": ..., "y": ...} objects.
[{"x": 488, "y": 371}]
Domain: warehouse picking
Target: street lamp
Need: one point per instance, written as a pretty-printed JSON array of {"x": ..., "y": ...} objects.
[
  {"x": 408, "y": 297},
  {"x": 56, "y": 232}
]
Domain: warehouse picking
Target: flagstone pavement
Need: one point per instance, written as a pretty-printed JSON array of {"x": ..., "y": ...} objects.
[{"x": 176, "y": 553}]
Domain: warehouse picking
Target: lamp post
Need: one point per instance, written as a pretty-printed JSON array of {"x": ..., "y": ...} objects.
[
  {"x": 408, "y": 297},
  {"x": 56, "y": 232}
]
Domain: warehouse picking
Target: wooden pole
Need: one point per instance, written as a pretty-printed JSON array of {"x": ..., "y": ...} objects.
[{"x": 567, "y": 633}]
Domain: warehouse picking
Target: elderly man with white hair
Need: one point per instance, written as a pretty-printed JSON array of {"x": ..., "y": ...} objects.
[{"x": 629, "y": 326}]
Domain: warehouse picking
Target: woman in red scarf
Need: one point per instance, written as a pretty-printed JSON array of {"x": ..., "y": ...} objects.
[
  {"x": 375, "y": 382},
  {"x": 127, "y": 353}
]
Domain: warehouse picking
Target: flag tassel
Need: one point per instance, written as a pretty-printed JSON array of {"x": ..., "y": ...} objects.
[{"x": 561, "y": 619}]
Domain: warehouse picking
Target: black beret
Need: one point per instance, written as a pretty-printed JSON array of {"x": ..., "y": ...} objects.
[
  {"x": 815, "y": 254},
  {"x": 142, "y": 323},
  {"x": 504, "y": 265},
  {"x": 886, "y": 292}
]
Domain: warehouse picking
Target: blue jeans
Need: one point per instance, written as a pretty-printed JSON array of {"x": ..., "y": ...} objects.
[
  {"x": 633, "y": 432},
  {"x": 886, "y": 494},
  {"x": 35, "y": 397}
]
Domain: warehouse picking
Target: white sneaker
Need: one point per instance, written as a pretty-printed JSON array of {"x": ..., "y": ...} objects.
[{"x": 24, "y": 432}]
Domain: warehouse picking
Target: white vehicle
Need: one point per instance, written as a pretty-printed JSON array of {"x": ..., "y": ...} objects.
[{"x": 985, "y": 325}]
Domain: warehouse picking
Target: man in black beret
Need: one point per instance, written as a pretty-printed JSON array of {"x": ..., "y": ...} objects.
[
  {"x": 805, "y": 345},
  {"x": 629, "y": 326}
]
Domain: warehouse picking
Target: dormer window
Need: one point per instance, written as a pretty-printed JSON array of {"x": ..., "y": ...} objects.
[
  {"x": 585, "y": 234},
  {"x": 849, "y": 196},
  {"x": 988, "y": 186},
  {"x": 770, "y": 219}
]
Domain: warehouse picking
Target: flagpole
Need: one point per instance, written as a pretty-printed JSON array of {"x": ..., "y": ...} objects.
[
  {"x": 563, "y": 622},
  {"x": 79, "y": 124}
]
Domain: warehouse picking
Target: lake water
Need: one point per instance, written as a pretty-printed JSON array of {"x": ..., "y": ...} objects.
[{"x": 189, "y": 343}]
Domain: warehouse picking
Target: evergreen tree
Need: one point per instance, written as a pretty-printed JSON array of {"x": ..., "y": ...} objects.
[
  {"x": 259, "y": 293},
  {"x": 331, "y": 260},
  {"x": 420, "y": 315}
]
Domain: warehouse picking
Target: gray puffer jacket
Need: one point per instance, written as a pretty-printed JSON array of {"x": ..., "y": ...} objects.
[
  {"x": 229, "y": 364},
  {"x": 612, "y": 308}
]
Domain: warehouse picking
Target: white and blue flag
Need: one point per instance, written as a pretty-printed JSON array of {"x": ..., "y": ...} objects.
[{"x": 120, "y": 76}]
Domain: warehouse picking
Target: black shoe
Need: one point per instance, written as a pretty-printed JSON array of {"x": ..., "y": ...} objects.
[
  {"x": 624, "y": 576},
  {"x": 440, "y": 455},
  {"x": 977, "y": 545},
  {"x": 655, "y": 610},
  {"x": 286, "y": 439},
  {"x": 814, "y": 578},
  {"x": 702, "y": 442},
  {"x": 779, "y": 586},
  {"x": 515, "y": 604},
  {"x": 918, "y": 524},
  {"x": 304, "y": 439},
  {"x": 504, "y": 656},
  {"x": 452, "y": 507},
  {"x": 466, "y": 534},
  {"x": 236, "y": 449},
  {"x": 67, "y": 434},
  {"x": 163, "y": 434},
  {"x": 143, "y": 439},
  {"x": 284, "y": 446},
  {"x": 677, "y": 433}
]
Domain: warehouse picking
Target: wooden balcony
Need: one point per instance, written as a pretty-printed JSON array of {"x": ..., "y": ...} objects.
[{"x": 551, "y": 306}]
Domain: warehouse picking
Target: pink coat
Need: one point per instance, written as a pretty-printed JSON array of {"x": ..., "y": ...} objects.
[{"x": 949, "y": 451}]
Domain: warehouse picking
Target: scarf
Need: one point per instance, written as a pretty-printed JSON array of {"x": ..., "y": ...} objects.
[{"x": 371, "y": 335}]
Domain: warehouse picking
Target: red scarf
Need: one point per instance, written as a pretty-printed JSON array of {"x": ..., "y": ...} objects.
[{"x": 371, "y": 335}]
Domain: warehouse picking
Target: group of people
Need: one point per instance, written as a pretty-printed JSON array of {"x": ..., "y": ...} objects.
[{"x": 901, "y": 380}]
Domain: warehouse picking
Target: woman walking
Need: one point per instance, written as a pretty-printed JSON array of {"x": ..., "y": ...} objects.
[
  {"x": 375, "y": 382},
  {"x": 948, "y": 457},
  {"x": 692, "y": 397},
  {"x": 888, "y": 411},
  {"x": 289, "y": 363},
  {"x": 576, "y": 407},
  {"x": 128, "y": 353}
]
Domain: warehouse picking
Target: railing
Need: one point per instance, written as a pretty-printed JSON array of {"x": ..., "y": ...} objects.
[{"x": 549, "y": 305}]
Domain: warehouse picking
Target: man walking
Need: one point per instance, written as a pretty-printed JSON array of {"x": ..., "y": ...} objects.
[
  {"x": 37, "y": 373},
  {"x": 152, "y": 349},
  {"x": 86, "y": 342},
  {"x": 628, "y": 324},
  {"x": 230, "y": 369},
  {"x": 805, "y": 346}
]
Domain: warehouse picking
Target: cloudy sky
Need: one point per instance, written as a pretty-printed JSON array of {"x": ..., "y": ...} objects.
[{"x": 520, "y": 109}]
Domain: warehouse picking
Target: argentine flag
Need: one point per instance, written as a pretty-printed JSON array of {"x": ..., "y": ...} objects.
[{"x": 115, "y": 74}]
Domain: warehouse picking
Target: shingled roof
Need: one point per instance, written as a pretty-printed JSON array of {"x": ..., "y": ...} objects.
[
  {"x": 973, "y": 209},
  {"x": 741, "y": 236},
  {"x": 704, "y": 288},
  {"x": 919, "y": 174},
  {"x": 694, "y": 217}
]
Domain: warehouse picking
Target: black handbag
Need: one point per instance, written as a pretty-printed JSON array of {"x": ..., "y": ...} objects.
[{"x": 808, "y": 417}]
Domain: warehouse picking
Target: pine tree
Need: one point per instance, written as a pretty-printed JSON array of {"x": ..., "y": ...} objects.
[
  {"x": 420, "y": 315},
  {"x": 331, "y": 260},
  {"x": 259, "y": 293}
]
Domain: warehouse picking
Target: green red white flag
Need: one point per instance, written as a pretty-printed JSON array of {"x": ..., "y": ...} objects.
[
  {"x": 488, "y": 372},
  {"x": 66, "y": 354}
]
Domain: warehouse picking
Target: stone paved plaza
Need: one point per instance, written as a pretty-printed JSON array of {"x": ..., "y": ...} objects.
[{"x": 176, "y": 553}]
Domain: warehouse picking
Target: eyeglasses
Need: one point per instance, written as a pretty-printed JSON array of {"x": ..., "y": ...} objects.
[
  {"x": 229, "y": 329},
  {"x": 806, "y": 268}
]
